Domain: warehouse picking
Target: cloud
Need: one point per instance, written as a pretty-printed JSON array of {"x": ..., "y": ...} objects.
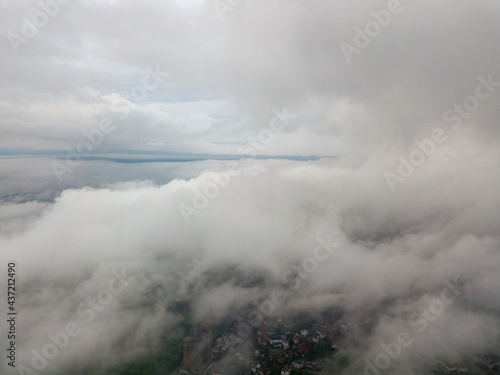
[
  {"x": 226, "y": 78},
  {"x": 382, "y": 266}
]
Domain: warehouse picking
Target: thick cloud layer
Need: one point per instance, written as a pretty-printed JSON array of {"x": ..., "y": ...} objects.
[
  {"x": 406, "y": 183},
  {"x": 396, "y": 251}
]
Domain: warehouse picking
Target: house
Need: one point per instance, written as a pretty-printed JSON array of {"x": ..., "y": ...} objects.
[
  {"x": 303, "y": 348},
  {"x": 304, "y": 332},
  {"x": 284, "y": 342},
  {"x": 255, "y": 366},
  {"x": 314, "y": 365},
  {"x": 298, "y": 364},
  {"x": 285, "y": 370},
  {"x": 296, "y": 340},
  {"x": 262, "y": 342},
  {"x": 276, "y": 341},
  {"x": 320, "y": 330}
]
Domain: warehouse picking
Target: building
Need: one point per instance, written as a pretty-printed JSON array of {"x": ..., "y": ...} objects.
[
  {"x": 320, "y": 330},
  {"x": 192, "y": 357},
  {"x": 205, "y": 335},
  {"x": 197, "y": 350},
  {"x": 276, "y": 341},
  {"x": 303, "y": 348}
]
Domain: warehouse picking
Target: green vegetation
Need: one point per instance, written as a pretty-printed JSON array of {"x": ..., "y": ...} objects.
[{"x": 165, "y": 361}]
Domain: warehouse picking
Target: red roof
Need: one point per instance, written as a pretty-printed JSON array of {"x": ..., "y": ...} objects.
[{"x": 303, "y": 348}]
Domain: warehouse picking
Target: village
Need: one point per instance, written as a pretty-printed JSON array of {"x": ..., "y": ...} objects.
[
  {"x": 277, "y": 347},
  {"x": 280, "y": 346}
]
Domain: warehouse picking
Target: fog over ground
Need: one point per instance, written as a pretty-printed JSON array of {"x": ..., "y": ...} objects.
[{"x": 391, "y": 152}]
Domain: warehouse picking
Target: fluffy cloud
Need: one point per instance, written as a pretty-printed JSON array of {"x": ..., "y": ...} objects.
[
  {"x": 117, "y": 212},
  {"x": 395, "y": 252}
]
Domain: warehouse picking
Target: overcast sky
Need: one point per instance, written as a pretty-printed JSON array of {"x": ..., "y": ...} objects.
[{"x": 373, "y": 122}]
